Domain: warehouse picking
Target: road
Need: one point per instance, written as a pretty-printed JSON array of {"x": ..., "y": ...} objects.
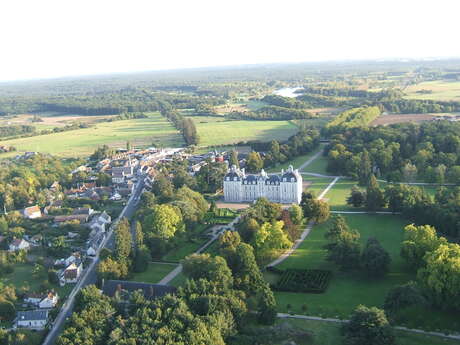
[{"x": 89, "y": 274}]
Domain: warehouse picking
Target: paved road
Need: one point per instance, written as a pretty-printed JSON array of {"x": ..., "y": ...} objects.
[{"x": 89, "y": 274}]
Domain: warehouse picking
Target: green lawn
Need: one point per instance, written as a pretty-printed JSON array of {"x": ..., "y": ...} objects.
[
  {"x": 318, "y": 166},
  {"x": 154, "y": 273},
  {"x": 328, "y": 333},
  {"x": 296, "y": 162},
  {"x": 82, "y": 142},
  {"x": 318, "y": 184},
  {"x": 338, "y": 194},
  {"x": 442, "y": 90},
  {"x": 21, "y": 277},
  {"x": 229, "y": 132},
  {"x": 182, "y": 251},
  {"x": 179, "y": 280},
  {"x": 347, "y": 290}
]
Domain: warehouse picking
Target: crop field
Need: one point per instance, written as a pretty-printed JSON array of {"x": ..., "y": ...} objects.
[
  {"x": 439, "y": 90},
  {"x": 212, "y": 133},
  {"x": 143, "y": 132},
  {"x": 345, "y": 288}
]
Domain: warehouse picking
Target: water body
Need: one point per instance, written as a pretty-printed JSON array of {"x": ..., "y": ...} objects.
[{"x": 288, "y": 92}]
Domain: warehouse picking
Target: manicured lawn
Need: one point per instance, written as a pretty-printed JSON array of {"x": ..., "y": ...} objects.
[
  {"x": 347, "y": 290},
  {"x": 154, "y": 273},
  {"x": 328, "y": 333},
  {"x": 338, "y": 194},
  {"x": 179, "y": 280},
  {"x": 213, "y": 133},
  {"x": 318, "y": 184},
  {"x": 182, "y": 251},
  {"x": 318, "y": 166},
  {"x": 82, "y": 142},
  {"x": 296, "y": 162}
]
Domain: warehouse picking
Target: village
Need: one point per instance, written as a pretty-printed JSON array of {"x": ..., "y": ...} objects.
[{"x": 56, "y": 243}]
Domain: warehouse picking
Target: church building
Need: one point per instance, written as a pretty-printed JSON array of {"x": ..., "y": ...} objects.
[{"x": 285, "y": 188}]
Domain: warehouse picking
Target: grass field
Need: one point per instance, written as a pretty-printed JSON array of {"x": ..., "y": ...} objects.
[
  {"x": 346, "y": 289},
  {"x": 296, "y": 162},
  {"x": 328, "y": 333},
  {"x": 21, "y": 277},
  {"x": 154, "y": 273},
  {"x": 82, "y": 142},
  {"x": 318, "y": 166},
  {"x": 318, "y": 184},
  {"x": 338, "y": 194},
  {"x": 441, "y": 90},
  {"x": 212, "y": 132}
]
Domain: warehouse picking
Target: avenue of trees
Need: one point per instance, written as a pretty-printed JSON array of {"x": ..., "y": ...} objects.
[{"x": 185, "y": 125}]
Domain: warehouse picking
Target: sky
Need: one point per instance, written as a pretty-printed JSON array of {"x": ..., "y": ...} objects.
[{"x": 47, "y": 38}]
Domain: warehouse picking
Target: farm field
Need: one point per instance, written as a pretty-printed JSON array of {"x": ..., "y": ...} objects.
[
  {"x": 81, "y": 142},
  {"x": 154, "y": 273},
  {"x": 214, "y": 133},
  {"x": 328, "y": 333},
  {"x": 345, "y": 290},
  {"x": 441, "y": 90}
]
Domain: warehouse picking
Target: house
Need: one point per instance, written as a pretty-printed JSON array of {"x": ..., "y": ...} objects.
[
  {"x": 115, "y": 197},
  {"x": 36, "y": 239},
  {"x": 118, "y": 177},
  {"x": 121, "y": 287},
  {"x": 82, "y": 218},
  {"x": 32, "y": 319},
  {"x": 32, "y": 212},
  {"x": 33, "y": 298},
  {"x": 49, "y": 301},
  {"x": 71, "y": 273},
  {"x": 99, "y": 222},
  {"x": 19, "y": 244},
  {"x": 83, "y": 210}
]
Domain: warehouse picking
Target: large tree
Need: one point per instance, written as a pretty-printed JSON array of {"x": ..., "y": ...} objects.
[
  {"x": 123, "y": 240},
  {"x": 368, "y": 326},
  {"x": 441, "y": 275},
  {"x": 418, "y": 241},
  {"x": 254, "y": 162},
  {"x": 375, "y": 260},
  {"x": 163, "y": 222},
  {"x": 204, "y": 266},
  {"x": 374, "y": 195}
]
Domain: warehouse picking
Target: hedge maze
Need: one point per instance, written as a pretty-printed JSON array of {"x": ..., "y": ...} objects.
[{"x": 307, "y": 281}]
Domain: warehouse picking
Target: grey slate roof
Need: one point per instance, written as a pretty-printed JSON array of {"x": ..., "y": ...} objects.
[
  {"x": 150, "y": 291},
  {"x": 31, "y": 315}
]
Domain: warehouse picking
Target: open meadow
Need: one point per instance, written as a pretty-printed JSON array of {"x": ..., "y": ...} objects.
[
  {"x": 213, "y": 132},
  {"x": 82, "y": 142},
  {"x": 437, "y": 90}
]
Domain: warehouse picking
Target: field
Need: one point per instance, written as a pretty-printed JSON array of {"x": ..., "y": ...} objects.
[
  {"x": 328, "y": 333},
  {"x": 441, "y": 90},
  {"x": 318, "y": 166},
  {"x": 154, "y": 273},
  {"x": 385, "y": 120},
  {"x": 154, "y": 129},
  {"x": 213, "y": 132},
  {"x": 345, "y": 291}
]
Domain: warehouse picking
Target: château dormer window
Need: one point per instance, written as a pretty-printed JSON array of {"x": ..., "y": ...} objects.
[{"x": 292, "y": 179}]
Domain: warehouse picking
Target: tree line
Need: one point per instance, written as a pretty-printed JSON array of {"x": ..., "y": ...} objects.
[{"x": 185, "y": 125}]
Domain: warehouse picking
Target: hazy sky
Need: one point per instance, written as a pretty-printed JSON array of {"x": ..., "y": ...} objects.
[{"x": 47, "y": 38}]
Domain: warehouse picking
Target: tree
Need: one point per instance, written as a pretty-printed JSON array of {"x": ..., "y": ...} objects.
[
  {"x": 401, "y": 297},
  {"x": 138, "y": 234},
  {"x": 234, "y": 159},
  {"x": 345, "y": 252},
  {"x": 418, "y": 241},
  {"x": 254, "y": 162},
  {"x": 204, "y": 266},
  {"x": 339, "y": 225},
  {"x": 3, "y": 226},
  {"x": 375, "y": 259},
  {"x": 365, "y": 169},
  {"x": 296, "y": 214},
  {"x": 409, "y": 172},
  {"x": 163, "y": 188},
  {"x": 374, "y": 195},
  {"x": 123, "y": 240},
  {"x": 163, "y": 222},
  {"x": 267, "y": 307},
  {"x": 7, "y": 310},
  {"x": 142, "y": 259},
  {"x": 248, "y": 228},
  {"x": 441, "y": 275},
  {"x": 270, "y": 237},
  {"x": 314, "y": 209},
  {"x": 357, "y": 198},
  {"x": 368, "y": 326}
]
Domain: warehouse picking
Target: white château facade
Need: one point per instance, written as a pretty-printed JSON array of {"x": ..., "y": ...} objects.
[{"x": 285, "y": 188}]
